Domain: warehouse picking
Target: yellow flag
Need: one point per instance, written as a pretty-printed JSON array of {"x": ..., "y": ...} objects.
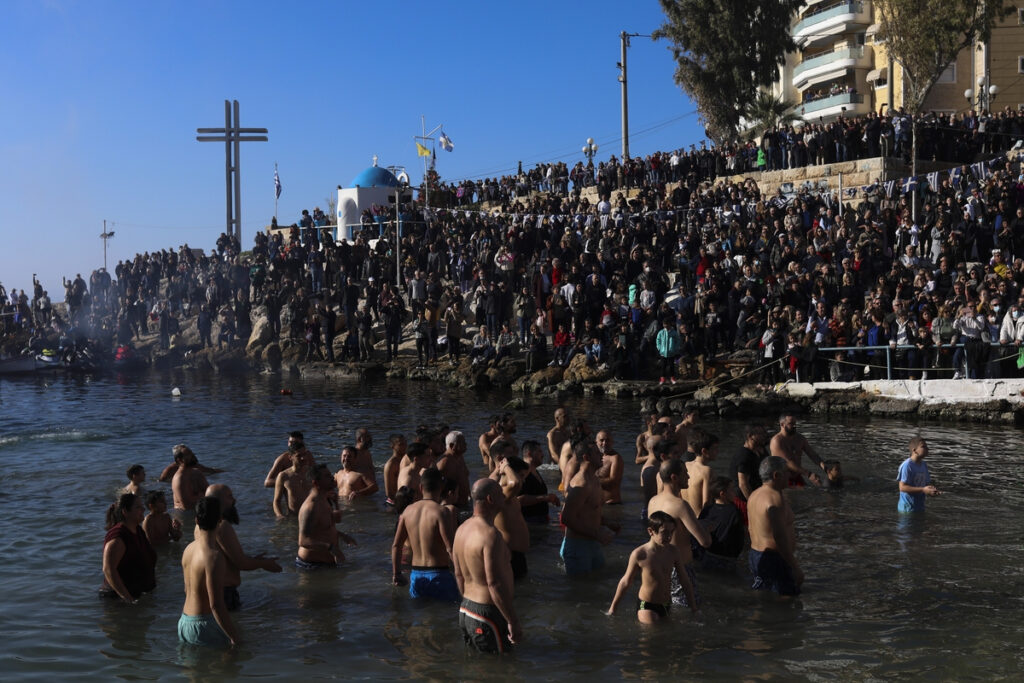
[{"x": 422, "y": 151}]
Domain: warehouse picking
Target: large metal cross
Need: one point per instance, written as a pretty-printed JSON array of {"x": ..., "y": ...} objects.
[{"x": 231, "y": 135}]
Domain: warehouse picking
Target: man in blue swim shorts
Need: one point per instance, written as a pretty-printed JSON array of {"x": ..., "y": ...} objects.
[
  {"x": 427, "y": 527},
  {"x": 581, "y": 515},
  {"x": 772, "y": 538},
  {"x": 204, "y": 618}
]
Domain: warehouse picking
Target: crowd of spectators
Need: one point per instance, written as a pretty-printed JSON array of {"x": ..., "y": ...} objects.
[
  {"x": 953, "y": 138},
  {"x": 644, "y": 285}
]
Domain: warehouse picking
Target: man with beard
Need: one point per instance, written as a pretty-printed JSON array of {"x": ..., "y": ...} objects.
[
  {"x": 236, "y": 559},
  {"x": 791, "y": 445},
  {"x": 296, "y": 444}
]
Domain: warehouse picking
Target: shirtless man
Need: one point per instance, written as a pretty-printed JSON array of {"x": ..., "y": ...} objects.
[
  {"x": 351, "y": 482},
  {"x": 567, "y": 462},
  {"x": 772, "y": 535},
  {"x": 188, "y": 484},
  {"x": 790, "y": 445},
  {"x": 612, "y": 467},
  {"x": 416, "y": 459},
  {"x": 426, "y": 526},
  {"x": 689, "y": 421},
  {"x": 501, "y": 425},
  {"x": 236, "y": 561},
  {"x": 650, "y": 419},
  {"x": 698, "y": 470},
  {"x": 452, "y": 465},
  {"x": 204, "y": 618},
  {"x": 559, "y": 434},
  {"x": 673, "y": 476},
  {"x": 296, "y": 444},
  {"x": 501, "y": 448},
  {"x": 293, "y": 485},
  {"x": 483, "y": 571},
  {"x": 585, "y": 531},
  {"x": 509, "y": 520},
  {"x": 169, "y": 471},
  {"x": 398, "y": 448},
  {"x": 364, "y": 459},
  {"x": 318, "y": 537},
  {"x": 159, "y": 526}
]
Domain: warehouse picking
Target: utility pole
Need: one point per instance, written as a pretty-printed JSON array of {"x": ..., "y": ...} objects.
[
  {"x": 624, "y": 39},
  {"x": 231, "y": 136},
  {"x": 105, "y": 236}
]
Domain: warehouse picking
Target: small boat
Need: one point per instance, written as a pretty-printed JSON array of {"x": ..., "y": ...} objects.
[{"x": 17, "y": 365}]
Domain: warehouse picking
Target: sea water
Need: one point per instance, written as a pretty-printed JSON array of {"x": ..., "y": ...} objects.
[{"x": 937, "y": 595}]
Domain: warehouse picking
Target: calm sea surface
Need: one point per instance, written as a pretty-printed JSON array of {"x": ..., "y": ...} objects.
[{"x": 939, "y": 597}]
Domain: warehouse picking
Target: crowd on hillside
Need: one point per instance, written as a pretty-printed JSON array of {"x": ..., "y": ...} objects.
[
  {"x": 953, "y": 138},
  {"x": 649, "y": 287}
]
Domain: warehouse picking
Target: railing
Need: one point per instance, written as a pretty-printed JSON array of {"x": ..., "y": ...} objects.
[
  {"x": 823, "y": 15},
  {"x": 831, "y": 101},
  {"x": 891, "y": 349},
  {"x": 827, "y": 58}
]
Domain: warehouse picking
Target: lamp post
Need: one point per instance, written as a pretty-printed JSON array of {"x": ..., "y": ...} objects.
[
  {"x": 987, "y": 93},
  {"x": 589, "y": 150}
]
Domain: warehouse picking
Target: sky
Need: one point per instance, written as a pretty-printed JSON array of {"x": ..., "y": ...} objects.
[{"x": 102, "y": 100}]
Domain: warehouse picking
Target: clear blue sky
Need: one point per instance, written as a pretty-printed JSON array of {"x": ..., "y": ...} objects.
[{"x": 102, "y": 99}]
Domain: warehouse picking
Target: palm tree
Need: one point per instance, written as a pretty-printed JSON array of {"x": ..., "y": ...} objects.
[{"x": 768, "y": 112}]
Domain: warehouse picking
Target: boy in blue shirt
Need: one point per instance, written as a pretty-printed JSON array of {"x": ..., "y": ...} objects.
[{"x": 914, "y": 478}]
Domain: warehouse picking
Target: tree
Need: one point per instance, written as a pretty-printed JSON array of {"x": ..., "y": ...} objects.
[
  {"x": 925, "y": 36},
  {"x": 768, "y": 112},
  {"x": 725, "y": 51}
]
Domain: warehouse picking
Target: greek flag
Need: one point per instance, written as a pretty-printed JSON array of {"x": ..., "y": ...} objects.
[
  {"x": 910, "y": 185},
  {"x": 277, "y": 184},
  {"x": 956, "y": 176},
  {"x": 980, "y": 170},
  {"x": 851, "y": 191},
  {"x": 890, "y": 188},
  {"x": 446, "y": 142},
  {"x": 933, "y": 181}
]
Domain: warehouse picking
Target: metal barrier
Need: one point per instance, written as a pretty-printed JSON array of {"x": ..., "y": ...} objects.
[{"x": 890, "y": 349}]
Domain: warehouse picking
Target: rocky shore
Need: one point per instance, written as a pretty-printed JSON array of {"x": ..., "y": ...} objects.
[{"x": 729, "y": 389}]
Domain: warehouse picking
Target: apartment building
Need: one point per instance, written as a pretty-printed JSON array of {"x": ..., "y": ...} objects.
[{"x": 839, "y": 68}]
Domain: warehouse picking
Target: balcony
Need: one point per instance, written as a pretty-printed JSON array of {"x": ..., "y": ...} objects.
[
  {"x": 852, "y": 104},
  {"x": 830, "y": 65},
  {"x": 819, "y": 26}
]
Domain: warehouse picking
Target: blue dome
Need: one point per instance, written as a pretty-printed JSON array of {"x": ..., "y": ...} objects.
[{"x": 375, "y": 176}]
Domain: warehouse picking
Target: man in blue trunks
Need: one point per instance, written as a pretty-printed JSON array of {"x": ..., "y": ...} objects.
[
  {"x": 204, "y": 618},
  {"x": 772, "y": 536},
  {"x": 483, "y": 569},
  {"x": 585, "y": 531},
  {"x": 427, "y": 527}
]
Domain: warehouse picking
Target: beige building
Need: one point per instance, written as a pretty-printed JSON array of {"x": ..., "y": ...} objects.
[{"x": 839, "y": 67}]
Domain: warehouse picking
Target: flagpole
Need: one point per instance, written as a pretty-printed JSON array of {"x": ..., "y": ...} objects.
[
  {"x": 275, "y": 191},
  {"x": 426, "y": 180}
]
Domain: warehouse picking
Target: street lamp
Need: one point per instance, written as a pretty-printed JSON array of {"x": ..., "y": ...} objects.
[
  {"x": 986, "y": 95},
  {"x": 589, "y": 150}
]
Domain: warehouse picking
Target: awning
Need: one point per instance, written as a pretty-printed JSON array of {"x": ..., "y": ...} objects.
[
  {"x": 878, "y": 75},
  {"x": 872, "y": 30},
  {"x": 826, "y": 77}
]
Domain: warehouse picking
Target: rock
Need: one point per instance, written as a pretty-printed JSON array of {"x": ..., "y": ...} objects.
[
  {"x": 261, "y": 332},
  {"x": 579, "y": 371},
  {"x": 514, "y": 404},
  {"x": 706, "y": 393},
  {"x": 271, "y": 356}
]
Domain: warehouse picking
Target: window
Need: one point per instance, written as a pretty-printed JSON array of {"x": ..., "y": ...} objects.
[
  {"x": 949, "y": 75},
  {"x": 1020, "y": 65},
  {"x": 1020, "y": 16},
  {"x": 861, "y": 38}
]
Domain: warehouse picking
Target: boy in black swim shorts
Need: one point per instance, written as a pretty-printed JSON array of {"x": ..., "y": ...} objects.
[{"x": 655, "y": 561}]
